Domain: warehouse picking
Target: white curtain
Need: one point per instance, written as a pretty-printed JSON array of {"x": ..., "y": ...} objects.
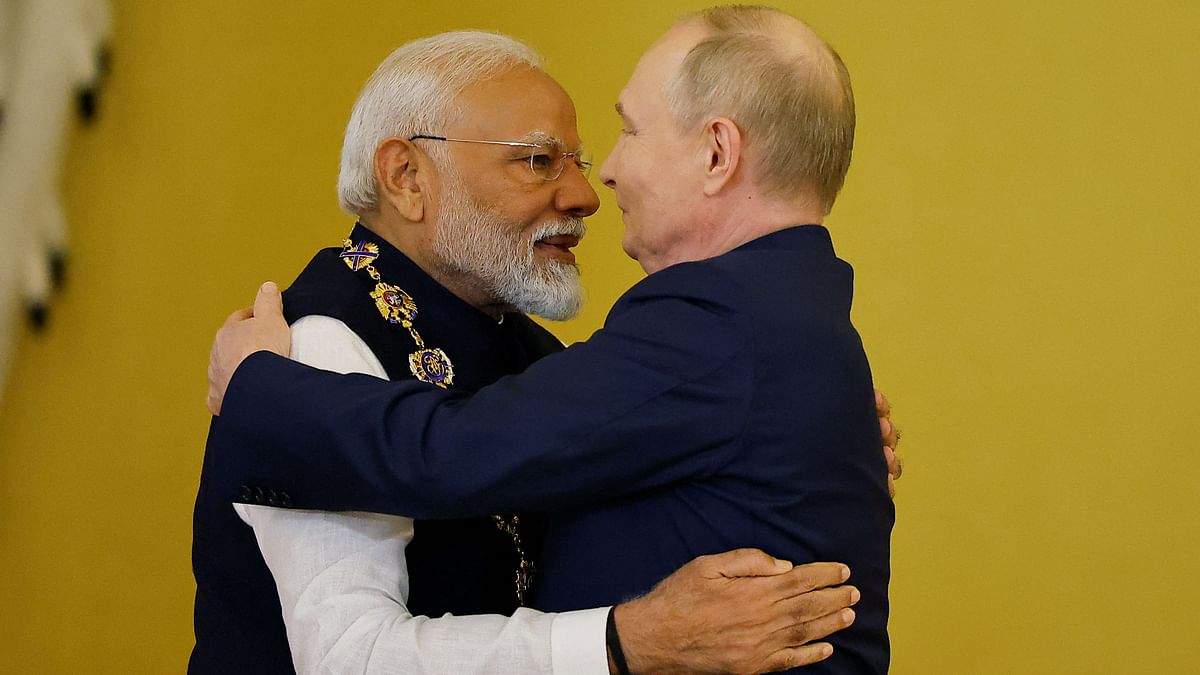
[{"x": 49, "y": 54}]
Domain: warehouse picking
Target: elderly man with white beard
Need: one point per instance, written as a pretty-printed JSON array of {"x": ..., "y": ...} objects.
[{"x": 464, "y": 169}]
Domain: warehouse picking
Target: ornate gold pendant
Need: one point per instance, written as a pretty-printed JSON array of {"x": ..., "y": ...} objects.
[
  {"x": 432, "y": 366},
  {"x": 358, "y": 256},
  {"x": 394, "y": 304}
]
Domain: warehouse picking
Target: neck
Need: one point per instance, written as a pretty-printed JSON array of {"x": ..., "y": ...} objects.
[
  {"x": 415, "y": 240},
  {"x": 726, "y": 222}
]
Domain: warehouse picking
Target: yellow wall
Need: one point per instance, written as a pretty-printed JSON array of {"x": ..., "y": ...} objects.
[{"x": 1020, "y": 213}]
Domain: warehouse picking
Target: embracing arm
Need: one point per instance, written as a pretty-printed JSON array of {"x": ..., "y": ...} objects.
[
  {"x": 343, "y": 587},
  {"x": 543, "y": 438},
  {"x": 657, "y": 396},
  {"x": 343, "y": 580}
]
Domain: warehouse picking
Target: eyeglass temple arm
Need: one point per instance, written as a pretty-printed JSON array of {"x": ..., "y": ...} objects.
[{"x": 514, "y": 144}]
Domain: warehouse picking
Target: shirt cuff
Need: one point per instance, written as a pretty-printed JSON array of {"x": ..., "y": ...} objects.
[{"x": 577, "y": 642}]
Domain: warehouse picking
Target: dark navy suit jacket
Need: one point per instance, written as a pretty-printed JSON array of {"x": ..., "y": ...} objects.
[{"x": 725, "y": 403}]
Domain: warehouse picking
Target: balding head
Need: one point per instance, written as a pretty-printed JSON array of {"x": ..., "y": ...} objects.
[{"x": 785, "y": 88}]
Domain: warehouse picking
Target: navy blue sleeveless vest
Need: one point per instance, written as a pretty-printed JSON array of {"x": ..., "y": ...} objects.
[{"x": 458, "y": 566}]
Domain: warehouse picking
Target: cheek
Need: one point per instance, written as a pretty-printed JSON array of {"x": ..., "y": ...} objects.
[
  {"x": 633, "y": 166},
  {"x": 520, "y": 207}
]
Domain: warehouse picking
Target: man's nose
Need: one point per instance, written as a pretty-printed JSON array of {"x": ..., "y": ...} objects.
[
  {"x": 575, "y": 195},
  {"x": 606, "y": 171}
]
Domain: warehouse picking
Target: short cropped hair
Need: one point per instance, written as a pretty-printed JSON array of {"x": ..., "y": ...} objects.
[
  {"x": 795, "y": 106},
  {"x": 412, "y": 92}
]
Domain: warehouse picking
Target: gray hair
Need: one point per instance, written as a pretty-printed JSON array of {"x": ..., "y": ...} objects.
[
  {"x": 794, "y": 104},
  {"x": 412, "y": 92}
]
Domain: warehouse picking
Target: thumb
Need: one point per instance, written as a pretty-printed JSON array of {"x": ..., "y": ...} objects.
[
  {"x": 268, "y": 303},
  {"x": 747, "y": 562}
]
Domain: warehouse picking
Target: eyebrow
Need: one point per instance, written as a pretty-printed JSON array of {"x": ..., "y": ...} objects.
[{"x": 541, "y": 137}]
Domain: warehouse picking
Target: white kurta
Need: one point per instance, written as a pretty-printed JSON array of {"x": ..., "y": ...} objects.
[{"x": 343, "y": 581}]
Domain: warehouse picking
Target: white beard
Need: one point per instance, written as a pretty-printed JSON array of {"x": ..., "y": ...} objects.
[{"x": 474, "y": 240}]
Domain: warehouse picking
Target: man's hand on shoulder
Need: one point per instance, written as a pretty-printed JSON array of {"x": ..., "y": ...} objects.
[
  {"x": 891, "y": 438},
  {"x": 246, "y": 331},
  {"x": 737, "y": 612}
]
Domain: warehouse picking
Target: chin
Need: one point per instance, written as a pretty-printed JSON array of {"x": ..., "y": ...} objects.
[{"x": 628, "y": 247}]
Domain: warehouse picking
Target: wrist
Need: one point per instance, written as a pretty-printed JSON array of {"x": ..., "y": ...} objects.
[
  {"x": 636, "y": 643},
  {"x": 617, "y": 665}
]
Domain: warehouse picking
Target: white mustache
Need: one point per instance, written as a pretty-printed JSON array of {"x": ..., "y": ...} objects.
[{"x": 553, "y": 228}]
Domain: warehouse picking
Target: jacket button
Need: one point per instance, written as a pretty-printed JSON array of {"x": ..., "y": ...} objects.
[
  {"x": 285, "y": 500},
  {"x": 259, "y": 497},
  {"x": 247, "y": 495},
  {"x": 272, "y": 498}
]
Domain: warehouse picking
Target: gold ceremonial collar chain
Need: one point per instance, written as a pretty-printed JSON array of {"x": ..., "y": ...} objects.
[
  {"x": 397, "y": 306},
  {"x": 428, "y": 365}
]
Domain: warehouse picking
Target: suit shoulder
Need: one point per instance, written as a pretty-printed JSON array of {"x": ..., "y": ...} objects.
[
  {"x": 698, "y": 280},
  {"x": 322, "y": 264},
  {"x": 323, "y": 286},
  {"x": 691, "y": 293}
]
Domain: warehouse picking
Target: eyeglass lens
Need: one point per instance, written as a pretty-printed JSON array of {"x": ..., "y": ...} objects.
[{"x": 548, "y": 162}]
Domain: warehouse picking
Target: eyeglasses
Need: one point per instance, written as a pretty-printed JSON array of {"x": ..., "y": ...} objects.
[{"x": 546, "y": 160}]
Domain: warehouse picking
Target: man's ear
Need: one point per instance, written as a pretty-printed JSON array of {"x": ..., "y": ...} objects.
[
  {"x": 722, "y": 147},
  {"x": 403, "y": 173}
]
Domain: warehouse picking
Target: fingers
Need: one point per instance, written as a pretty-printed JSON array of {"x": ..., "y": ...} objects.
[
  {"x": 214, "y": 402},
  {"x": 794, "y": 657},
  {"x": 268, "y": 302},
  {"x": 813, "y": 605},
  {"x": 893, "y": 462},
  {"x": 895, "y": 469},
  {"x": 227, "y": 350},
  {"x": 889, "y": 432},
  {"x": 882, "y": 407},
  {"x": 805, "y": 578},
  {"x": 240, "y": 315},
  {"x": 742, "y": 562},
  {"x": 817, "y": 629},
  {"x": 812, "y": 616}
]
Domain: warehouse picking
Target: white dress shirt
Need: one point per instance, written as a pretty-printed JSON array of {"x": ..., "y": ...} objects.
[{"x": 343, "y": 580}]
